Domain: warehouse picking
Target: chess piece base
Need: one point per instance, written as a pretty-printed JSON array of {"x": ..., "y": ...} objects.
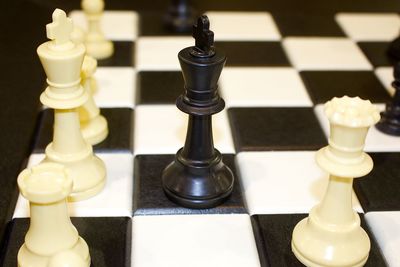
[
  {"x": 389, "y": 122},
  {"x": 318, "y": 245},
  {"x": 197, "y": 185},
  {"x": 81, "y": 258},
  {"x": 99, "y": 48},
  {"x": 87, "y": 171},
  {"x": 95, "y": 130}
]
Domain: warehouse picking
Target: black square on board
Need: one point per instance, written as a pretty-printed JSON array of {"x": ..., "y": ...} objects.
[
  {"x": 300, "y": 24},
  {"x": 322, "y": 86},
  {"x": 273, "y": 235},
  {"x": 159, "y": 87},
  {"x": 120, "y": 130},
  {"x": 149, "y": 197},
  {"x": 376, "y": 52},
  {"x": 380, "y": 189},
  {"x": 123, "y": 56},
  {"x": 253, "y": 53},
  {"x": 108, "y": 238},
  {"x": 152, "y": 24},
  {"x": 264, "y": 129}
]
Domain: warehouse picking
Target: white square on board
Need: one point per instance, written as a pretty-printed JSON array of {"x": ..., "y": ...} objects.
[
  {"x": 116, "y": 25},
  {"x": 386, "y": 229},
  {"x": 376, "y": 141},
  {"x": 282, "y": 182},
  {"x": 263, "y": 87},
  {"x": 161, "y": 129},
  {"x": 370, "y": 27},
  {"x": 116, "y": 87},
  {"x": 325, "y": 53},
  {"x": 194, "y": 240},
  {"x": 243, "y": 26},
  {"x": 385, "y": 76},
  {"x": 160, "y": 53},
  {"x": 114, "y": 200}
]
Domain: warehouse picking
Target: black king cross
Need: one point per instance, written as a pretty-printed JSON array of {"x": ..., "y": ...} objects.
[{"x": 204, "y": 38}]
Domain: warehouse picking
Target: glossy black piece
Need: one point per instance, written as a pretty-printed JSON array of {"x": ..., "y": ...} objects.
[
  {"x": 390, "y": 118},
  {"x": 198, "y": 178},
  {"x": 394, "y": 50},
  {"x": 180, "y": 16},
  {"x": 149, "y": 198}
]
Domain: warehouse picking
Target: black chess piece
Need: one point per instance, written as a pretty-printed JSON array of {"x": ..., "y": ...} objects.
[
  {"x": 198, "y": 178},
  {"x": 393, "y": 50},
  {"x": 390, "y": 118},
  {"x": 180, "y": 16}
]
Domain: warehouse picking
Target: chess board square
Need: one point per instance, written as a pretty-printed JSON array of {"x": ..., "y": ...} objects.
[
  {"x": 152, "y": 24},
  {"x": 379, "y": 190},
  {"x": 116, "y": 87},
  {"x": 274, "y": 234},
  {"x": 300, "y": 24},
  {"x": 123, "y": 56},
  {"x": 120, "y": 130},
  {"x": 385, "y": 76},
  {"x": 161, "y": 129},
  {"x": 376, "y": 141},
  {"x": 386, "y": 230},
  {"x": 110, "y": 248},
  {"x": 376, "y": 53},
  {"x": 116, "y": 25},
  {"x": 243, "y": 26},
  {"x": 257, "y": 87},
  {"x": 160, "y": 53},
  {"x": 176, "y": 240},
  {"x": 370, "y": 26},
  {"x": 325, "y": 53},
  {"x": 149, "y": 197},
  {"x": 264, "y": 129},
  {"x": 270, "y": 187},
  {"x": 114, "y": 200},
  {"x": 322, "y": 86},
  {"x": 159, "y": 87},
  {"x": 268, "y": 53}
]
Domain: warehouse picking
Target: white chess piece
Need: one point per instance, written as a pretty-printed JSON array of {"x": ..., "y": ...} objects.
[
  {"x": 331, "y": 235},
  {"x": 96, "y": 44},
  {"x": 51, "y": 235},
  {"x": 62, "y": 62},
  {"x": 94, "y": 126}
]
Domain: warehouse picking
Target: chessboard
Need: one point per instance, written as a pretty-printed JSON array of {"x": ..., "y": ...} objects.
[{"x": 283, "y": 64}]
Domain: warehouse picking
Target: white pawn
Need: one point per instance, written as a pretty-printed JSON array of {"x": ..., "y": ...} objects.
[
  {"x": 51, "y": 240},
  {"x": 332, "y": 235},
  {"x": 62, "y": 61},
  {"x": 94, "y": 126},
  {"x": 96, "y": 44}
]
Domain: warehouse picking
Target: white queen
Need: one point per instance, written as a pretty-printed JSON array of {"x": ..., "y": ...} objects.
[{"x": 331, "y": 235}]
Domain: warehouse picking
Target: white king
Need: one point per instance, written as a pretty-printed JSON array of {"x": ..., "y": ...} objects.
[
  {"x": 331, "y": 235},
  {"x": 62, "y": 61}
]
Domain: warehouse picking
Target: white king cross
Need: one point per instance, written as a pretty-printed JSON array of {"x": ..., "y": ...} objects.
[{"x": 60, "y": 29}]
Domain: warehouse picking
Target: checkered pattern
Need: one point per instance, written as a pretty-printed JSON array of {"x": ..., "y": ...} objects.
[{"x": 276, "y": 79}]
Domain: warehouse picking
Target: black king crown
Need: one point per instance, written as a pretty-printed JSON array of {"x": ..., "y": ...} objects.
[{"x": 198, "y": 178}]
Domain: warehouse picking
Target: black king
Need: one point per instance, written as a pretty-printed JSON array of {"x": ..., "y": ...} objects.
[{"x": 198, "y": 178}]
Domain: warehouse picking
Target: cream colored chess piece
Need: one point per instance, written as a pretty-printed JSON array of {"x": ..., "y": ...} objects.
[
  {"x": 96, "y": 44},
  {"x": 331, "y": 235},
  {"x": 51, "y": 240},
  {"x": 93, "y": 125},
  {"x": 62, "y": 62}
]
